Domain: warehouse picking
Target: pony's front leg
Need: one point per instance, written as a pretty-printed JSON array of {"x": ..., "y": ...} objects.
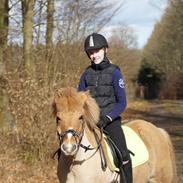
[
  {"x": 65, "y": 178},
  {"x": 64, "y": 173}
]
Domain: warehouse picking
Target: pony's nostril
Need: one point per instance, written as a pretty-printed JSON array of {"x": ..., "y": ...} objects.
[
  {"x": 64, "y": 147},
  {"x": 74, "y": 147}
]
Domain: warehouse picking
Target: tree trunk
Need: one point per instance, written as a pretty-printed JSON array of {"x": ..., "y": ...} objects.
[
  {"x": 49, "y": 33},
  {"x": 4, "y": 22},
  {"x": 5, "y": 116},
  {"x": 27, "y": 17},
  {"x": 39, "y": 22},
  {"x": 49, "y": 30}
]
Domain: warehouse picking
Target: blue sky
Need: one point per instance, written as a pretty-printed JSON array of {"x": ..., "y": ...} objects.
[{"x": 141, "y": 15}]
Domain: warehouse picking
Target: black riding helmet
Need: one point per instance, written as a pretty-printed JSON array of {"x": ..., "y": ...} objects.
[{"x": 95, "y": 41}]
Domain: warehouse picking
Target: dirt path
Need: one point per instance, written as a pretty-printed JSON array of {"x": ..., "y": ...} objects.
[{"x": 171, "y": 119}]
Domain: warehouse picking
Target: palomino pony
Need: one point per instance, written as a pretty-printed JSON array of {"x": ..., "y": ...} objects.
[{"x": 80, "y": 162}]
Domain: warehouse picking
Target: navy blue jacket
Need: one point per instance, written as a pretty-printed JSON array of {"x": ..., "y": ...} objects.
[{"x": 119, "y": 89}]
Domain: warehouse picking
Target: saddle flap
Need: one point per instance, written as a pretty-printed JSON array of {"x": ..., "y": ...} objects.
[{"x": 134, "y": 144}]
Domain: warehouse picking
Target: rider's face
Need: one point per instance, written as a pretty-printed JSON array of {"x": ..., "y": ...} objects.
[{"x": 97, "y": 55}]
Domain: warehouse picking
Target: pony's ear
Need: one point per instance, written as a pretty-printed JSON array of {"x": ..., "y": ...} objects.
[
  {"x": 54, "y": 108},
  {"x": 56, "y": 97}
]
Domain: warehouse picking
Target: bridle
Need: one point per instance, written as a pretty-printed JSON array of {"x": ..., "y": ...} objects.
[
  {"x": 77, "y": 135},
  {"x": 74, "y": 134},
  {"x": 78, "y": 138}
]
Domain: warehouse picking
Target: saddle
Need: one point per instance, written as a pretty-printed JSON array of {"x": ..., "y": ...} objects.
[{"x": 137, "y": 149}]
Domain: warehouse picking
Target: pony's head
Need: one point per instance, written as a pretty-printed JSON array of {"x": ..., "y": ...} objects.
[{"x": 72, "y": 111}]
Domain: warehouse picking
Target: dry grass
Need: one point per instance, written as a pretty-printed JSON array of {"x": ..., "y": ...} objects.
[
  {"x": 15, "y": 169},
  {"x": 29, "y": 140}
]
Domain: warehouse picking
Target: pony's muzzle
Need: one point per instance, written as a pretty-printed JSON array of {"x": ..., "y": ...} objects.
[
  {"x": 70, "y": 141},
  {"x": 69, "y": 149}
]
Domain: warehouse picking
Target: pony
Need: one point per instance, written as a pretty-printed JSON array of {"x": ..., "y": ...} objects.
[{"x": 77, "y": 114}]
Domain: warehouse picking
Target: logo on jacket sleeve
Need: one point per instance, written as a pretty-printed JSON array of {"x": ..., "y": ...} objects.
[{"x": 121, "y": 83}]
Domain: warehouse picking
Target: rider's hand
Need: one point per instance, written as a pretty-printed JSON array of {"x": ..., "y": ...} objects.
[{"x": 104, "y": 120}]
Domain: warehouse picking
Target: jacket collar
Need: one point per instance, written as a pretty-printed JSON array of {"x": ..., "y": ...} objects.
[{"x": 104, "y": 64}]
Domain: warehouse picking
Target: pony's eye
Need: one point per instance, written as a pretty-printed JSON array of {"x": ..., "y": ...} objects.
[
  {"x": 58, "y": 120},
  {"x": 81, "y": 118}
]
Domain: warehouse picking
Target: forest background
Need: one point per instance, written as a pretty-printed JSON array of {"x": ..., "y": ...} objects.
[{"x": 41, "y": 49}]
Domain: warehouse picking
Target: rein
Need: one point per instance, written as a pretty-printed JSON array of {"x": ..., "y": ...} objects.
[
  {"x": 97, "y": 140},
  {"x": 99, "y": 147},
  {"x": 102, "y": 155}
]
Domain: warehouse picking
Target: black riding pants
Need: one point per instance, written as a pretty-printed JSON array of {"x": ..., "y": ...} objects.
[{"x": 117, "y": 135}]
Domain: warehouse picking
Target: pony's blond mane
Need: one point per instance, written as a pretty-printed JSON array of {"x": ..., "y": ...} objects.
[{"x": 68, "y": 99}]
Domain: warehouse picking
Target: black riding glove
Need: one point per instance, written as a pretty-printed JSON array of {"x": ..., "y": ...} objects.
[{"x": 104, "y": 120}]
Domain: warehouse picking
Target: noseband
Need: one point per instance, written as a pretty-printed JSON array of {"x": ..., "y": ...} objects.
[{"x": 74, "y": 133}]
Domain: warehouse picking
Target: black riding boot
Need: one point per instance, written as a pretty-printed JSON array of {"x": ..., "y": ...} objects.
[{"x": 127, "y": 168}]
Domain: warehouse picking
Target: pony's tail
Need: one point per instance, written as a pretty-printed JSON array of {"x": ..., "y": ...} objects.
[{"x": 172, "y": 156}]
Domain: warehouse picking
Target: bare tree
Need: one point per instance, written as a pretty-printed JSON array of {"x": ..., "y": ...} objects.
[
  {"x": 40, "y": 5},
  {"x": 4, "y": 113},
  {"x": 27, "y": 18},
  {"x": 123, "y": 36},
  {"x": 49, "y": 29},
  {"x": 76, "y": 18},
  {"x": 49, "y": 40},
  {"x": 4, "y": 11}
]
